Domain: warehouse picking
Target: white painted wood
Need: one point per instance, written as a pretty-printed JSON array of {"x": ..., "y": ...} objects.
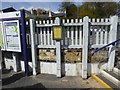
[
  {"x": 93, "y": 20},
  {"x": 41, "y": 37},
  {"x": 102, "y": 20},
  {"x": 68, "y": 36},
  {"x": 80, "y": 35},
  {"x": 36, "y": 22},
  {"x": 97, "y": 36},
  {"x": 33, "y": 46},
  {"x": 40, "y": 22},
  {"x": 85, "y": 47},
  {"x": 100, "y": 23},
  {"x": 58, "y": 58},
  {"x": 98, "y": 20},
  {"x": 76, "y": 36},
  {"x": 46, "y": 46},
  {"x": 72, "y": 21},
  {"x": 113, "y": 35},
  {"x": 44, "y": 33},
  {"x": 110, "y": 77},
  {"x": 116, "y": 71},
  {"x": 72, "y": 36},
  {"x": 75, "y": 46},
  {"x": 48, "y": 22},
  {"x": 93, "y": 35},
  {"x": 97, "y": 45},
  {"x": 81, "y": 21},
  {"x": 106, "y": 20},
  {"x": 48, "y": 36},
  {"x": 106, "y": 35},
  {"x": 68, "y": 32},
  {"x": 101, "y": 35},
  {"x": 63, "y": 21},
  {"x": 51, "y": 36},
  {"x": 76, "y": 20},
  {"x": 73, "y": 24},
  {"x": 45, "y": 25},
  {"x": 37, "y": 40},
  {"x": 43, "y": 21},
  {"x": 15, "y": 62},
  {"x": 58, "y": 52},
  {"x": 51, "y": 21},
  {"x": 67, "y": 21}
]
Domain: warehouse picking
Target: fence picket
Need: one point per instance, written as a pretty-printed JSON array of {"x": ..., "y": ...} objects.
[
  {"x": 106, "y": 35},
  {"x": 48, "y": 36},
  {"x": 51, "y": 36},
  {"x": 101, "y": 35},
  {"x": 97, "y": 36},
  {"x": 80, "y": 35},
  {"x": 72, "y": 36},
  {"x": 41, "y": 41},
  {"x": 44, "y": 36},
  {"x": 76, "y": 36}
]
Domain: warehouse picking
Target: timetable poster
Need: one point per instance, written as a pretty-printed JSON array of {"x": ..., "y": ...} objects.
[{"x": 12, "y": 36}]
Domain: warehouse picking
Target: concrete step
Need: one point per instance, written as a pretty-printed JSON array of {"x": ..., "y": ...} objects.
[
  {"x": 112, "y": 73},
  {"x": 112, "y": 77},
  {"x": 116, "y": 71},
  {"x": 118, "y": 65},
  {"x": 113, "y": 86}
]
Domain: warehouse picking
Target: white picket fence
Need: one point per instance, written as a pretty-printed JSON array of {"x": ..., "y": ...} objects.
[{"x": 77, "y": 33}]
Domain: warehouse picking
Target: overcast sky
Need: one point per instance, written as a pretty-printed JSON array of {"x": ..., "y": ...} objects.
[{"x": 53, "y": 6}]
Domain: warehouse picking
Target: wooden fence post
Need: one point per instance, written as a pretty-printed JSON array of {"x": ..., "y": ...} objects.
[
  {"x": 58, "y": 50},
  {"x": 33, "y": 47},
  {"x": 85, "y": 46},
  {"x": 112, "y": 37}
]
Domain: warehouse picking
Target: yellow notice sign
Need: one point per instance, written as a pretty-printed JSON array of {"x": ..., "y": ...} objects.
[{"x": 57, "y": 32}]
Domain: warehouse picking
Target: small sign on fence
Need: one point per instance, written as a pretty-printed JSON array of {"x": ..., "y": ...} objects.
[{"x": 57, "y": 32}]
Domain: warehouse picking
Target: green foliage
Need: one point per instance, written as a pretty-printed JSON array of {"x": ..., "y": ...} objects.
[
  {"x": 71, "y": 11},
  {"x": 98, "y": 9},
  {"x": 65, "y": 4},
  {"x": 91, "y": 9},
  {"x": 70, "y": 8}
]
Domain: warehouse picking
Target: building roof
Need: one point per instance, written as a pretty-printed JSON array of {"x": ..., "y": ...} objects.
[
  {"x": 10, "y": 9},
  {"x": 52, "y": 15}
]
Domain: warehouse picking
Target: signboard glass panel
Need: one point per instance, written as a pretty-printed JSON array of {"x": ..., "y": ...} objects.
[{"x": 12, "y": 35}]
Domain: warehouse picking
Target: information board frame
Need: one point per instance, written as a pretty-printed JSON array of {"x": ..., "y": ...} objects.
[
  {"x": 2, "y": 36},
  {"x": 7, "y": 48}
]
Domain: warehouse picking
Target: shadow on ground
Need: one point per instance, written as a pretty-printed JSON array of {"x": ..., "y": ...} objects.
[
  {"x": 36, "y": 86},
  {"x": 6, "y": 71},
  {"x": 12, "y": 79}
]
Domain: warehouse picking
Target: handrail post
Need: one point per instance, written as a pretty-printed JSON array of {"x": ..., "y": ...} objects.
[
  {"x": 24, "y": 44},
  {"x": 33, "y": 46},
  {"x": 113, "y": 36}
]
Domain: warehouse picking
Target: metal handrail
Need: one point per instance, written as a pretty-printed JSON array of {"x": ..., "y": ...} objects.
[{"x": 112, "y": 43}]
